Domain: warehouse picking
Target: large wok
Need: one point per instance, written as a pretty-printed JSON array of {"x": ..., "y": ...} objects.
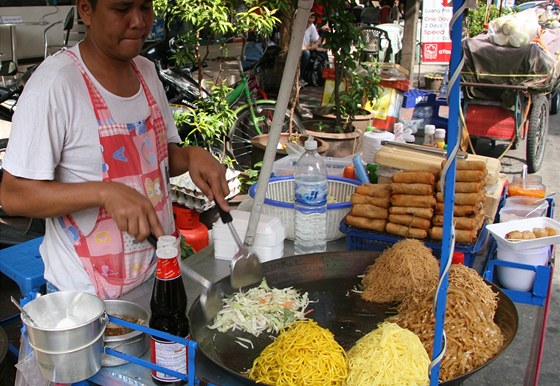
[{"x": 328, "y": 278}]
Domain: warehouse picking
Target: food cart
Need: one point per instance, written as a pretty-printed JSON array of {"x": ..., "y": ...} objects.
[{"x": 508, "y": 91}]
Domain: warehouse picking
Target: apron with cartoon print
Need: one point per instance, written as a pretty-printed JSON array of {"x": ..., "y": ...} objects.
[{"x": 134, "y": 154}]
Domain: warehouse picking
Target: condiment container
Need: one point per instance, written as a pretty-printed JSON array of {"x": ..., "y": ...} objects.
[
  {"x": 519, "y": 279},
  {"x": 529, "y": 186}
]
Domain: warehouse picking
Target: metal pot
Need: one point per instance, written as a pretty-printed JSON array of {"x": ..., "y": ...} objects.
[
  {"x": 134, "y": 343},
  {"x": 69, "y": 330}
]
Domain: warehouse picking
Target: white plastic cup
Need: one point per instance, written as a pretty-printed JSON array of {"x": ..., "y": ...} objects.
[{"x": 519, "y": 279}]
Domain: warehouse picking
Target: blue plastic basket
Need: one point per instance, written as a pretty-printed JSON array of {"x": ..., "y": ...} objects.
[{"x": 363, "y": 239}]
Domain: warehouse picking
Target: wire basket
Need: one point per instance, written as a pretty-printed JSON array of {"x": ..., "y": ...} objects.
[{"x": 279, "y": 202}]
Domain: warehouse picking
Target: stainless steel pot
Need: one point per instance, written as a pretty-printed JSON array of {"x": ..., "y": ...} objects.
[
  {"x": 69, "y": 330},
  {"x": 134, "y": 343}
]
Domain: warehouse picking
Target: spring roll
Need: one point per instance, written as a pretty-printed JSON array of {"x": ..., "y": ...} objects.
[
  {"x": 461, "y": 235},
  {"x": 410, "y": 221},
  {"x": 465, "y": 187},
  {"x": 404, "y": 231},
  {"x": 469, "y": 175},
  {"x": 374, "y": 190},
  {"x": 469, "y": 165},
  {"x": 463, "y": 198},
  {"x": 413, "y": 200},
  {"x": 460, "y": 210},
  {"x": 426, "y": 213},
  {"x": 369, "y": 211},
  {"x": 416, "y": 189},
  {"x": 414, "y": 177},
  {"x": 382, "y": 202},
  {"x": 366, "y": 223},
  {"x": 466, "y": 223}
]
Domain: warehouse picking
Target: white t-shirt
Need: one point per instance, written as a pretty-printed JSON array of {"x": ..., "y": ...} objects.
[
  {"x": 311, "y": 35},
  {"x": 54, "y": 136}
]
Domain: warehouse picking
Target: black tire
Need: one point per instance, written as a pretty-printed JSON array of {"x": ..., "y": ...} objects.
[
  {"x": 554, "y": 103},
  {"x": 536, "y": 134},
  {"x": 243, "y": 131}
]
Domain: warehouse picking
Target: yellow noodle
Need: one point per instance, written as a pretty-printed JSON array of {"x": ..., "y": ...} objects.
[
  {"x": 387, "y": 356},
  {"x": 303, "y": 354},
  {"x": 473, "y": 338},
  {"x": 404, "y": 267}
]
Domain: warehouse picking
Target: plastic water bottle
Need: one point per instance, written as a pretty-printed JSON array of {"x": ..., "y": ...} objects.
[{"x": 310, "y": 191}]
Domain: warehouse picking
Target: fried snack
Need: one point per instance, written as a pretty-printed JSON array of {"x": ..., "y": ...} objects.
[
  {"x": 410, "y": 221},
  {"x": 413, "y": 200},
  {"x": 469, "y": 175},
  {"x": 383, "y": 202},
  {"x": 416, "y": 189},
  {"x": 468, "y": 165},
  {"x": 405, "y": 231},
  {"x": 463, "y": 198},
  {"x": 528, "y": 235},
  {"x": 467, "y": 223},
  {"x": 461, "y": 210},
  {"x": 374, "y": 224},
  {"x": 414, "y": 177},
  {"x": 461, "y": 235},
  {"x": 551, "y": 231},
  {"x": 539, "y": 232},
  {"x": 465, "y": 187},
  {"x": 514, "y": 235},
  {"x": 369, "y": 211},
  {"x": 426, "y": 213},
  {"x": 374, "y": 190}
]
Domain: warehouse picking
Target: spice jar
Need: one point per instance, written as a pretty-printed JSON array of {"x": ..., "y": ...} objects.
[{"x": 531, "y": 186}]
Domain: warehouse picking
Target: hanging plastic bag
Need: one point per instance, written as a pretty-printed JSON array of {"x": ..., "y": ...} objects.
[{"x": 515, "y": 30}]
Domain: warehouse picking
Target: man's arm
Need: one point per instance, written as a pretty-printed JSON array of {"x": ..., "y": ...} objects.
[{"x": 132, "y": 211}]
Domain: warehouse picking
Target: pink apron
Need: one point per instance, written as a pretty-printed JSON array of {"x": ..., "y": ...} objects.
[{"x": 134, "y": 154}]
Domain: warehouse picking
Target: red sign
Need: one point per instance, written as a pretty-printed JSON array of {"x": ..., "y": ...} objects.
[{"x": 438, "y": 52}]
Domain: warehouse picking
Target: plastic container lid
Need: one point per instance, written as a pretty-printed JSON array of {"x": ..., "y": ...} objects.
[
  {"x": 270, "y": 231},
  {"x": 429, "y": 129},
  {"x": 458, "y": 258},
  {"x": 310, "y": 144}
]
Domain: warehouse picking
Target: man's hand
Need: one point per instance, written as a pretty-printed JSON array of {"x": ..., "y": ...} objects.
[{"x": 132, "y": 211}]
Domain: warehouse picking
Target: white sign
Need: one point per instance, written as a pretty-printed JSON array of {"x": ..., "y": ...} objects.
[{"x": 436, "y": 42}]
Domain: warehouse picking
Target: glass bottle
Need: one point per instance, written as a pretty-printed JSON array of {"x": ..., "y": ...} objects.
[{"x": 168, "y": 308}]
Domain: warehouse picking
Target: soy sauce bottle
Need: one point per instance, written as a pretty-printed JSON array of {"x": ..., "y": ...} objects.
[{"x": 168, "y": 307}]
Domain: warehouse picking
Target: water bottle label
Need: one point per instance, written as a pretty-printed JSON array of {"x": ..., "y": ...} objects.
[{"x": 311, "y": 193}]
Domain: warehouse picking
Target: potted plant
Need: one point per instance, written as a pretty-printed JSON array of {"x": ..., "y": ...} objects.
[{"x": 354, "y": 84}]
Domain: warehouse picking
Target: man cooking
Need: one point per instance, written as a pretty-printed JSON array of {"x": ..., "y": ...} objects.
[{"x": 92, "y": 147}]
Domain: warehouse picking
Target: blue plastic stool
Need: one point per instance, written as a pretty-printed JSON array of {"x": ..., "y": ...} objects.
[{"x": 23, "y": 264}]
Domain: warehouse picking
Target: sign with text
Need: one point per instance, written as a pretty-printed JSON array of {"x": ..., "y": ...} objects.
[{"x": 436, "y": 42}]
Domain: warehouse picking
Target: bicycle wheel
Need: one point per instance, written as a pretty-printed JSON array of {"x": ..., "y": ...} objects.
[
  {"x": 243, "y": 130},
  {"x": 536, "y": 134}
]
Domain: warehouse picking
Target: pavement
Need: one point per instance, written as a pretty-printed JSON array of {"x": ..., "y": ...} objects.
[{"x": 510, "y": 368}]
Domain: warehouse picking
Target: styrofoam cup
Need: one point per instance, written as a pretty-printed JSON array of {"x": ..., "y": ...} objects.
[{"x": 519, "y": 279}]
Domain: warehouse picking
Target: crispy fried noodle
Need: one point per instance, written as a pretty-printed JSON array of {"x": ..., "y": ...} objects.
[
  {"x": 473, "y": 338},
  {"x": 405, "y": 267}
]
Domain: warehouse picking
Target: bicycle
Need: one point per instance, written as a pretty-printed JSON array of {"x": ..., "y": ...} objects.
[{"x": 253, "y": 116}]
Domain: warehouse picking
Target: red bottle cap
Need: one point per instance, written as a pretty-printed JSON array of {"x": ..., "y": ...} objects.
[
  {"x": 167, "y": 264},
  {"x": 458, "y": 258}
]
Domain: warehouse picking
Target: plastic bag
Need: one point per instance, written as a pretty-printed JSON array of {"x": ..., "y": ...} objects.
[
  {"x": 28, "y": 372},
  {"x": 515, "y": 30}
]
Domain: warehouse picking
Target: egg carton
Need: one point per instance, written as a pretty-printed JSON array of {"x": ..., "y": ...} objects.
[{"x": 187, "y": 194}]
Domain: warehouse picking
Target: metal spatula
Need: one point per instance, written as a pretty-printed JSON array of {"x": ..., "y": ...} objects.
[
  {"x": 246, "y": 269},
  {"x": 210, "y": 296}
]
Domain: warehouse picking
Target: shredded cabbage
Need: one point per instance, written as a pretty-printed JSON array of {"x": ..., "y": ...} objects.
[{"x": 261, "y": 309}]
